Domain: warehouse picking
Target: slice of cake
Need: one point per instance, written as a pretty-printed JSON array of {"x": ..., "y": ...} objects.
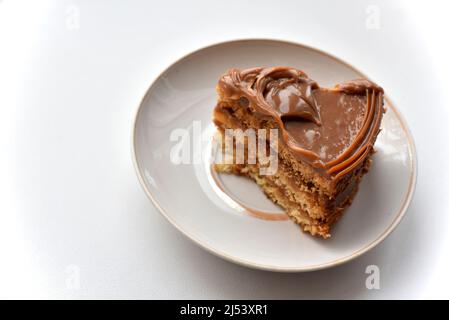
[{"x": 324, "y": 138}]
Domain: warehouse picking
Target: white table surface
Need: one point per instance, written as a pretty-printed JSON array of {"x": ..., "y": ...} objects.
[{"x": 72, "y": 74}]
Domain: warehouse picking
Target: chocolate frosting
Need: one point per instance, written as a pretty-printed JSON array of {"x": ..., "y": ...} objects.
[{"x": 332, "y": 129}]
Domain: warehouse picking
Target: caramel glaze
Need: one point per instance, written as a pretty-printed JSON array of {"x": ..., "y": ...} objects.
[{"x": 332, "y": 129}]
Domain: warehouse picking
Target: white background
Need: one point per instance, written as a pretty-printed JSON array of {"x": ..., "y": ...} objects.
[{"x": 71, "y": 76}]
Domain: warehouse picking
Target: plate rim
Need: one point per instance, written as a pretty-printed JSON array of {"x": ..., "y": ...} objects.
[{"x": 248, "y": 263}]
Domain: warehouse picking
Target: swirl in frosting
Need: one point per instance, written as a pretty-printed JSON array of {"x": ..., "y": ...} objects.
[{"x": 333, "y": 129}]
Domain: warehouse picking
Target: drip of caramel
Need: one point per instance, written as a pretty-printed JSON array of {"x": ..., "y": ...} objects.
[{"x": 332, "y": 129}]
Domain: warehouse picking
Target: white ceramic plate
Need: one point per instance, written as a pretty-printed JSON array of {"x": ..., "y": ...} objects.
[{"x": 174, "y": 117}]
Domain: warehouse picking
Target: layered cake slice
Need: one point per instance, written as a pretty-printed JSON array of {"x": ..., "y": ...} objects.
[{"x": 324, "y": 138}]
